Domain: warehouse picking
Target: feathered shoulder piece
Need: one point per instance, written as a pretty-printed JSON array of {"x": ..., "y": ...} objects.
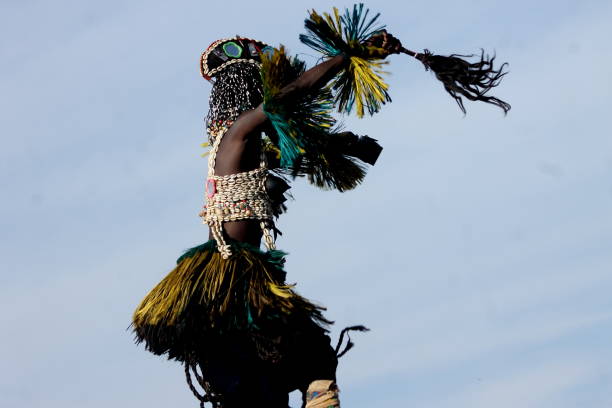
[
  {"x": 300, "y": 120},
  {"x": 305, "y": 140},
  {"x": 360, "y": 85}
]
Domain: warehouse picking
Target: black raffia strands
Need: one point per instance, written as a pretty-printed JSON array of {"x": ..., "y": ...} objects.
[{"x": 461, "y": 78}]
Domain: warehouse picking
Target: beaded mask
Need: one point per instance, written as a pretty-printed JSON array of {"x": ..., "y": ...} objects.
[
  {"x": 236, "y": 89},
  {"x": 222, "y": 53},
  {"x": 232, "y": 65}
]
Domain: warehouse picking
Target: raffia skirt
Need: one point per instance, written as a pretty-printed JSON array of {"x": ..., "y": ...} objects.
[{"x": 206, "y": 301}]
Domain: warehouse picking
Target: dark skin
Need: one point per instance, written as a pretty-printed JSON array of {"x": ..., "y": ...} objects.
[{"x": 239, "y": 150}]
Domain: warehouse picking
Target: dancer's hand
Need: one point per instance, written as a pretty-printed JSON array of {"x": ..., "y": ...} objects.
[{"x": 385, "y": 41}]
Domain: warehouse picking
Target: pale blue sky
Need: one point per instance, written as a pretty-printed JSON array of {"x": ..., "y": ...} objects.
[{"x": 478, "y": 250}]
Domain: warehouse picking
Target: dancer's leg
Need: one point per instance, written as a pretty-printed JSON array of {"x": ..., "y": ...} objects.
[{"x": 242, "y": 379}]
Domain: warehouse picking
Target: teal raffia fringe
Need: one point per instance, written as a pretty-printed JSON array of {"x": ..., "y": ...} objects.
[
  {"x": 300, "y": 120},
  {"x": 306, "y": 140},
  {"x": 334, "y": 35},
  {"x": 360, "y": 85}
]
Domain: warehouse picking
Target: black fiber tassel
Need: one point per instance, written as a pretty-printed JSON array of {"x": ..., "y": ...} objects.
[
  {"x": 277, "y": 187},
  {"x": 338, "y": 161},
  {"x": 349, "y": 344},
  {"x": 364, "y": 148},
  {"x": 462, "y": 78}
]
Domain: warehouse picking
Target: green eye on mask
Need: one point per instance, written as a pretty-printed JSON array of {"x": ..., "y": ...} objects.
[{"x": 232, "y": 49}]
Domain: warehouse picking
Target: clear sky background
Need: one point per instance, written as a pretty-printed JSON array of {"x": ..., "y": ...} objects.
[{"x": 478, "y": 249}]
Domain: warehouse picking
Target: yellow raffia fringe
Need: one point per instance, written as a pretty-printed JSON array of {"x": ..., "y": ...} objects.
[
  {"x": 365, "y": 73},
  {"x": 336, "y": 22},
  {"x": 210, "y": 280},
  {"x": 367, "y": 81}
]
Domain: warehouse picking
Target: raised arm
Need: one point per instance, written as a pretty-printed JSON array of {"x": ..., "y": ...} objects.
[
  {"x": 235, "y": 151},
  {"x": 239, "y": 148},
  {"x": 315, "y": 78}
]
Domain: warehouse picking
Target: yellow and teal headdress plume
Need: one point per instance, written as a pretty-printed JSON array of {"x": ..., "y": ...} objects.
[{"x": 360, "y": 85}]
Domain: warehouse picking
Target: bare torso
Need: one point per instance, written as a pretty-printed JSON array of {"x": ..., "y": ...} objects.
[{"x": 240, "y": 151}]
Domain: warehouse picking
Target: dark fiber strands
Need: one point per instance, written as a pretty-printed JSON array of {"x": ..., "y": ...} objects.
[{"x": 472, "y": 80}]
